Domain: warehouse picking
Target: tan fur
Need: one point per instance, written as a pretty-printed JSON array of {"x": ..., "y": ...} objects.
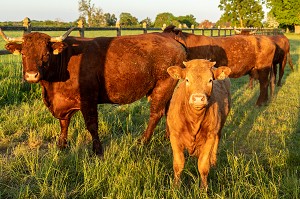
[{"x": 198, "y": 130}]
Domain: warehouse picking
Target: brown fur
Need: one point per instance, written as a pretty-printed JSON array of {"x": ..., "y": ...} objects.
[
  {"x": 196, "y": 124},
  {"x": 282, "y": 55},
  {"x": 243, "y": 54},
  {"x": 87, "y": 72}
]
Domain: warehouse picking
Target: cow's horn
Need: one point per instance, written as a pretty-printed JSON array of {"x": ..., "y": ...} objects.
[
  {"x": 61, "y": 38},
  {"x": 9, "y": 39}
]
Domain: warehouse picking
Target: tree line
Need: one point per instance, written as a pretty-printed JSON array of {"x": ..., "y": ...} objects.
[{"x": 236, "y": 13}]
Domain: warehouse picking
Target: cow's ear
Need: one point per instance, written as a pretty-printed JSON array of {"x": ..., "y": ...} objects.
[
  {"x": 176, "y": 72},
  {"x": 14, "y": 48},
  {"x": 58, "y": 47},
  {"x": 221, "y": 73}
]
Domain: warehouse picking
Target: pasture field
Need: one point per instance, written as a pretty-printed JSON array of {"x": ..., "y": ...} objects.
[{"x": 259, "y": 152}]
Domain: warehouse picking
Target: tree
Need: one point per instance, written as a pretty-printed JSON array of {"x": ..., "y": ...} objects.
[
  {"x": 286, "y": 12},
  {"x": 147, "y": 20},
  {"x": 94, "y": 16},
  {"x": 188, "y": 20},
  {"x": 243, "y": 13},
  {"x": 206, "y": 24},
  {"x": 165, "y": 18},
  {"x": 126, "y": 19},
  {"x": 110, "y": 19}
]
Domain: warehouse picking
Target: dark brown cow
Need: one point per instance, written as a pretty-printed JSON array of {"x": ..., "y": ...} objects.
[
  {"x": 243, "y": 54},
  {"x": 79, "y": 73},
  {"x": 282, "y": 53},
  {"x": 197, "y": 113}
]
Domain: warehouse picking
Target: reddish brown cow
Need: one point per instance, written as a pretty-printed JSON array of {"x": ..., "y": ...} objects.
[
  {"x": 282, "y": 53},
  {"x": 79, "y": 73},
  {"x": 197, "y": 113},
  {"x": 243, "y": 54}
]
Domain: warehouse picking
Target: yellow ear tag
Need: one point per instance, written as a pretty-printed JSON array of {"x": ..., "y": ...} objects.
[
  {"x": 222, "y": 76},
  {"x": 16, "y": 52},
  {"x": 55, "y": 52}
]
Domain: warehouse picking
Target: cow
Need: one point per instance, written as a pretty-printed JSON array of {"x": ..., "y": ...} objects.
[
  {"x": 243, "y": 54},
  {"x": 282, "y": 53},
  {"x": 197, "y": 113},
  {"x": 79, "y": 73}
]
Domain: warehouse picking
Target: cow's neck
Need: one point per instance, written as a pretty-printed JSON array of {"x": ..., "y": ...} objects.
[{"x": 194, "y": 118}]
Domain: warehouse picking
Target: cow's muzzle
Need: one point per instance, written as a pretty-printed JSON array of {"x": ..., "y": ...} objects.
[
  {"x": 198, "y": 101},
  {"x": 32, "y": 76}
]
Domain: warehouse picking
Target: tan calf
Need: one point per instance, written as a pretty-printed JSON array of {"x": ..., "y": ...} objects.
[{"x": 197, "y": 113}]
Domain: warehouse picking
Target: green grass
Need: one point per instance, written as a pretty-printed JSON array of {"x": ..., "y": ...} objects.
[{"x": 258, "y": 155}]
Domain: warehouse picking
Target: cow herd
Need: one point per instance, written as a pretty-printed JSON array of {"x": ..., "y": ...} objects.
[{"x": 79, "y": 73}]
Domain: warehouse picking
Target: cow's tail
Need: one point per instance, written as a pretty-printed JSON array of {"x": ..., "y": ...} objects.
[{"x": 290, "y": 61}]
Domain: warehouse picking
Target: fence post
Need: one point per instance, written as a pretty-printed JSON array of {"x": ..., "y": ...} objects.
[
  {"x": 81, "y": 27},
  {"x": 164, "y": 26},
  {"x": 145, "y": 27},
  {"x": 118, "y": 26},
  {"x": 193, "y": 29},
  {"x": 26, "y": 25}
]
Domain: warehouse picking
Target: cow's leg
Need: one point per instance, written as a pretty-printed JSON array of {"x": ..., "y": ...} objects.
[
  {"x": 281, "y": 70},
  {"x": 251, "y": 79},
  {"x": 160, "y": 97},
  {"x": 62, "y": 140},
  {"x": 178, "y": 158},
  {"x": 263, "y": 77},
  {"x": 204, "y": 159},
  {"x": 272, "y": 81},
  {"x": 90, "y": 115}
]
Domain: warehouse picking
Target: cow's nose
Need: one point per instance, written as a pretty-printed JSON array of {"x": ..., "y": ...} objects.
[
  {"x": 32, "y": 77},
  {"x": 198, "y": 100}
]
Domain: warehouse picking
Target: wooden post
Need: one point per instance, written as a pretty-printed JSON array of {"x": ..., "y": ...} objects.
[
  {"x": 81, "y": 27},
  {"x": 118, "y": 26},
  {"x": 219, "y": 31},
  {"x": 202, "y": 31},
  {"x": 26, "y": 25},
  {"x": 164, "y": 26},
  {"x": 180, "y": 26},
  {"x": 145, "y": 27},
  {"x": 193, "y": 29},
  {"x": 211, "y": 32}
]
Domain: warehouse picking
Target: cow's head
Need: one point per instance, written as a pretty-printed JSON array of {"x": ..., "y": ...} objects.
[
  {"x": 36, "y": 49},
  {"x": 198, "y": 76}
]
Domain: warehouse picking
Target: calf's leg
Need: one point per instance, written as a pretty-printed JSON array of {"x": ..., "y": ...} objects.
[
  {"x": 178, "y": 159},
  {"x": 204, "y": 159}
]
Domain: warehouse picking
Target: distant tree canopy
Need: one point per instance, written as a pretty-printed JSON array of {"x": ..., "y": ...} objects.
[
  {"x": 242, "y": 13},
  {"x": 110, "y": 19},
  {"x": 169, "y": 18},
  {"x": 126, "y": 19},
  {"x": 286, "y": 13},
  {"x": 95, "y": 16}
]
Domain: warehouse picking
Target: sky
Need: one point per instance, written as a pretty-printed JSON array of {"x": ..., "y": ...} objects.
[{"x": 67, "y": 10}]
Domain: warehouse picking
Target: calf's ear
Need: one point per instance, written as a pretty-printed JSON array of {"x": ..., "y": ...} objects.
[
  {"x": 58, "y": 47},
  {"x": 14, "y": 48},
  {"x": 221, "y": 73},
  {"x": 176, "y": 72}
]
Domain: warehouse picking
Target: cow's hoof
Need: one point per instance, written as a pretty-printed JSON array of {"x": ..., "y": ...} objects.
[{"x": 62, "y": 144}]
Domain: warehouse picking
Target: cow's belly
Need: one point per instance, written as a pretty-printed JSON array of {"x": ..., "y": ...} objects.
[{"x": 128, "y": 86}]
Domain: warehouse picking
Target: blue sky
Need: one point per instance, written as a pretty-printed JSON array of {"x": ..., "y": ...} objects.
[{"x": 67, "y": 10}]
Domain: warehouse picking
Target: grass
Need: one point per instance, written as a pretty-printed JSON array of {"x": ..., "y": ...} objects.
[{"x": 258, "y": 154}]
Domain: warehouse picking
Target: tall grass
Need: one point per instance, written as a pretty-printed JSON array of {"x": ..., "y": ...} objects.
[{"x": 258, "y": 155}]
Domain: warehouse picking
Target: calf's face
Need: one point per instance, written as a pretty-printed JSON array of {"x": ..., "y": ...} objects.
[{"x": 198, "y": 78}]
